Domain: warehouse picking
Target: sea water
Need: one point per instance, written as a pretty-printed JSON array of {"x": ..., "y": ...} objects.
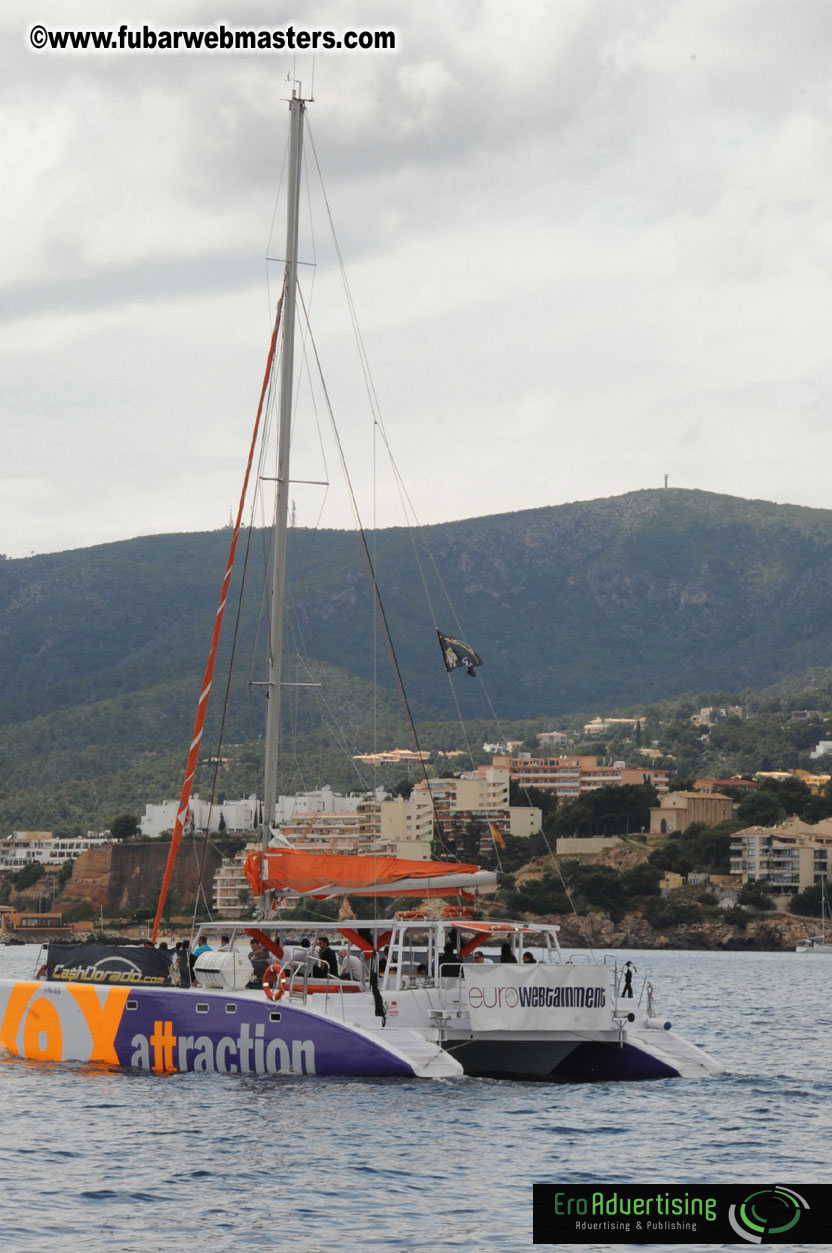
[{"x": 94, "y": 1159}]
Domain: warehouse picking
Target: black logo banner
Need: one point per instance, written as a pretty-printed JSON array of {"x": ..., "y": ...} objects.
[
  {"x": 106, "y": 963},
  {"x": 674, "y": 1213}
]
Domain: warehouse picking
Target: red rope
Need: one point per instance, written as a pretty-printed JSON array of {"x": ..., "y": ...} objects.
[{"x": 205, "y": 691}]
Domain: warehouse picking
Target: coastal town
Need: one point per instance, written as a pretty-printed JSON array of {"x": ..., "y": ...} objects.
[{"x": 499, "y": 814}]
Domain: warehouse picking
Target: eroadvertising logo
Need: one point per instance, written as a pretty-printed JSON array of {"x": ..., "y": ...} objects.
[
  {"x": 673, "y": 1213},
  {"x": 768, "y": 1212}
]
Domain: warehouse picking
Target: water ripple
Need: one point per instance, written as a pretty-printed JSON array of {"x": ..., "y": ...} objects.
[{"x": 135, "y": 1163}]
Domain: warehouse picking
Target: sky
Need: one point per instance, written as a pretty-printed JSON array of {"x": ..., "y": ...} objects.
[{"x": 588, "y": 242}]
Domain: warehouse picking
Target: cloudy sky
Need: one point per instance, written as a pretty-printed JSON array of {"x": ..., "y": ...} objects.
[{"x": 589, "y": 243}]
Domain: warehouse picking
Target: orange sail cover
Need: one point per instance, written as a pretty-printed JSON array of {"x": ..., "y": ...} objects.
[{"x": 289, "y": 871}]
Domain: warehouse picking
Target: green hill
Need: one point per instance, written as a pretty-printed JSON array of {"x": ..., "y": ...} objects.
[{"x": 584, "y": 606}]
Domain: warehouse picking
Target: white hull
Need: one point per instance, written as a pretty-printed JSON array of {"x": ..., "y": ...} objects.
[{"x": 550, "y": 1020}]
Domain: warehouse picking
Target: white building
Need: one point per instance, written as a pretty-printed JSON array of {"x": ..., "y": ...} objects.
[
  {"x": 322, "y": 801},
  {"x": 244, "y": 815},
  {"x": 232, "y": 891},
  {"x": 407, "y": 826},
  {"x": 482, "y": 795},
  {"x": 23, "y": 847},
  {"x": 238, "y": 816}
]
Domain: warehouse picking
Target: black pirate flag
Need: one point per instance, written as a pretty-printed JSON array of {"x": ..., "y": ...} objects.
[{"x": 456, "y": 653}]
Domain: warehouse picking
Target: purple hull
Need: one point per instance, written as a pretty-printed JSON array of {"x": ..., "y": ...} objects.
[
  {"x": 198, "y": 1032},
  {"x": 593, "y": 1062}
]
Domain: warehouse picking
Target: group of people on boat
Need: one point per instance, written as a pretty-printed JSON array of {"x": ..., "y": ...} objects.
[{"x": 317, "y": 959}]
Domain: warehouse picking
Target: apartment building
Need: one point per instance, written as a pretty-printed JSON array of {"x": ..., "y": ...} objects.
[
  {"x": 791, "y": 857},
  {"x": 232, "y": 816},
  {"x": 23, "y": 847},
  {"x": 570, "y": 776},
  {"x": 241, "y": 816},
  {"x": 480, "y": 796},
  {"x": 232, "y": 891}
]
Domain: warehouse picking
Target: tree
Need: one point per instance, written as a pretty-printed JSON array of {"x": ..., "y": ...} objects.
[
  {"x": 793, "y": 794},
  {"x": 671, "y": 856},
  {"x": 542, "y": 798},
  {"x": 599, "y": 886},
  {"x": 678, "y": 784},
  {"x": 538, "y": 896},
  {"x": 760, "y": 809},
  {"x": 756, "y": 895},
  {"x": 807, "y": 903},
  {"x": 641, "y": 880},
  {"x": 124, "y": 827},
  {"x": 30, "y": 874},
  {"x": 817, "y": 808},
  {"x": 607, "y": 811}
]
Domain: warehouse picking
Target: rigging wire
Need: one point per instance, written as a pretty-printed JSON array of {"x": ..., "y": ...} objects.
[
  {"x": 411, "y": 518},
  {"x": 373, "y": 581},
  {"x": 207, "y": 680},
  {"x": 272, "y": 223}
]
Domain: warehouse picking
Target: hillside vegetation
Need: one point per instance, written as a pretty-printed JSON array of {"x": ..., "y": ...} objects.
[{"x": 584, "y": 607}]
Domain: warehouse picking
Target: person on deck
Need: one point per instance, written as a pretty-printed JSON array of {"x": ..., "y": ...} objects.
[
  {"x": 260, "y": 961},
  {"x": 202, "y": 946},
  {"x": 449, "y": 960},
  {"x": 327, "y": 963},
  {"x": 349, "y": 964},
  {"x": 506, "y": 954}
]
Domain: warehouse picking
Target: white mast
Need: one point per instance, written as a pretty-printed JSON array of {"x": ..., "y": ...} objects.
[{"x": 296, "y": 111}]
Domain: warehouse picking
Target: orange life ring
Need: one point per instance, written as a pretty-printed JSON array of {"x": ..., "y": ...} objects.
[{"x": 273, "y": 991}]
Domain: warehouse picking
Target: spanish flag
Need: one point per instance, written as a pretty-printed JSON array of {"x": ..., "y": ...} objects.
[{"x": 495, "y": 835}]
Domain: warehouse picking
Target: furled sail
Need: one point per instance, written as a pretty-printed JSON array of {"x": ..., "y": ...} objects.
[{"x": 292, "y": 872}]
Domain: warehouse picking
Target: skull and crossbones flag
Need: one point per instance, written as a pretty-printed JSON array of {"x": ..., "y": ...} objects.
[{"x": 456, "y": 653}]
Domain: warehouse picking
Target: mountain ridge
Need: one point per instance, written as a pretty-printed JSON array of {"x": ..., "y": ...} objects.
[{"x": 581, "y": 606}]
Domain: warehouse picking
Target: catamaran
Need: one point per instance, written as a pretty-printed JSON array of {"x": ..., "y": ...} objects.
[{"x": 435, "y": 992}]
